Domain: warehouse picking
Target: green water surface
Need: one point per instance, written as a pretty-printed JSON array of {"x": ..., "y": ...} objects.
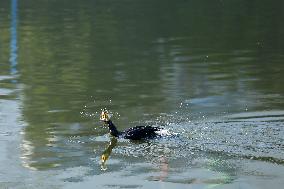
[{"x": 210, "y": 72}]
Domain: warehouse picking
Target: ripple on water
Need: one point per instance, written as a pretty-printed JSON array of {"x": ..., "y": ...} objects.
[
  {"x": 218, "y": 145},
  {"x": 231, "y": 138}
]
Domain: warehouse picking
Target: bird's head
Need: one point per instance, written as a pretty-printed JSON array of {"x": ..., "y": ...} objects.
[{"x": 105, "y": 116}]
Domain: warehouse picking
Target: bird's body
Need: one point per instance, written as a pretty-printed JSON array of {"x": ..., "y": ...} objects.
[
  {"x": 141, "y": 132},
  {"x": 133, "y": 133}
]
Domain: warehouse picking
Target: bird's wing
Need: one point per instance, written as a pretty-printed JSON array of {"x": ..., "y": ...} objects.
[{"x": 140, "y": 132}]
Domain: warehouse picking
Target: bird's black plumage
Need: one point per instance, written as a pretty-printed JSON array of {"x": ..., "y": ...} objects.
[
  {"x": 133, "y": 133},
  {"x": 141, "y": 132}
]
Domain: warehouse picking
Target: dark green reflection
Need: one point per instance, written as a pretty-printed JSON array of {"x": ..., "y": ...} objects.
[{"x": 147, "y": 57}]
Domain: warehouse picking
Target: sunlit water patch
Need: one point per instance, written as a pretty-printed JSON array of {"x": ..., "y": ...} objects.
[
  {"x": 221, "y": 146},
  {"x": 188, "y": 151}
]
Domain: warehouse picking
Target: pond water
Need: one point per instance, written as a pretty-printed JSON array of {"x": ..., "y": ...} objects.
[{"x": 209, "y": 72}]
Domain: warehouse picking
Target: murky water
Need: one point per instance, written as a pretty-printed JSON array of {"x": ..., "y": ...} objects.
[{"x": 209, "y": 72}]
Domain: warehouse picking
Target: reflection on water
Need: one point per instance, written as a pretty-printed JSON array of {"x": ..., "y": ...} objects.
[
  {"x": 13, "y": 43},
  {"x": 210, "y": 71},
  {"x": 107, "y": 153}
]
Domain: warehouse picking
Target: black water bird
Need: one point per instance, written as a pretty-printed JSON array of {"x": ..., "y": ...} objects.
[{"x": 133, "y": 133}]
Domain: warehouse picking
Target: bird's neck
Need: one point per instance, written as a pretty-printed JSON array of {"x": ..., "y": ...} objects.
[{"x": 112, "y": 128}]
